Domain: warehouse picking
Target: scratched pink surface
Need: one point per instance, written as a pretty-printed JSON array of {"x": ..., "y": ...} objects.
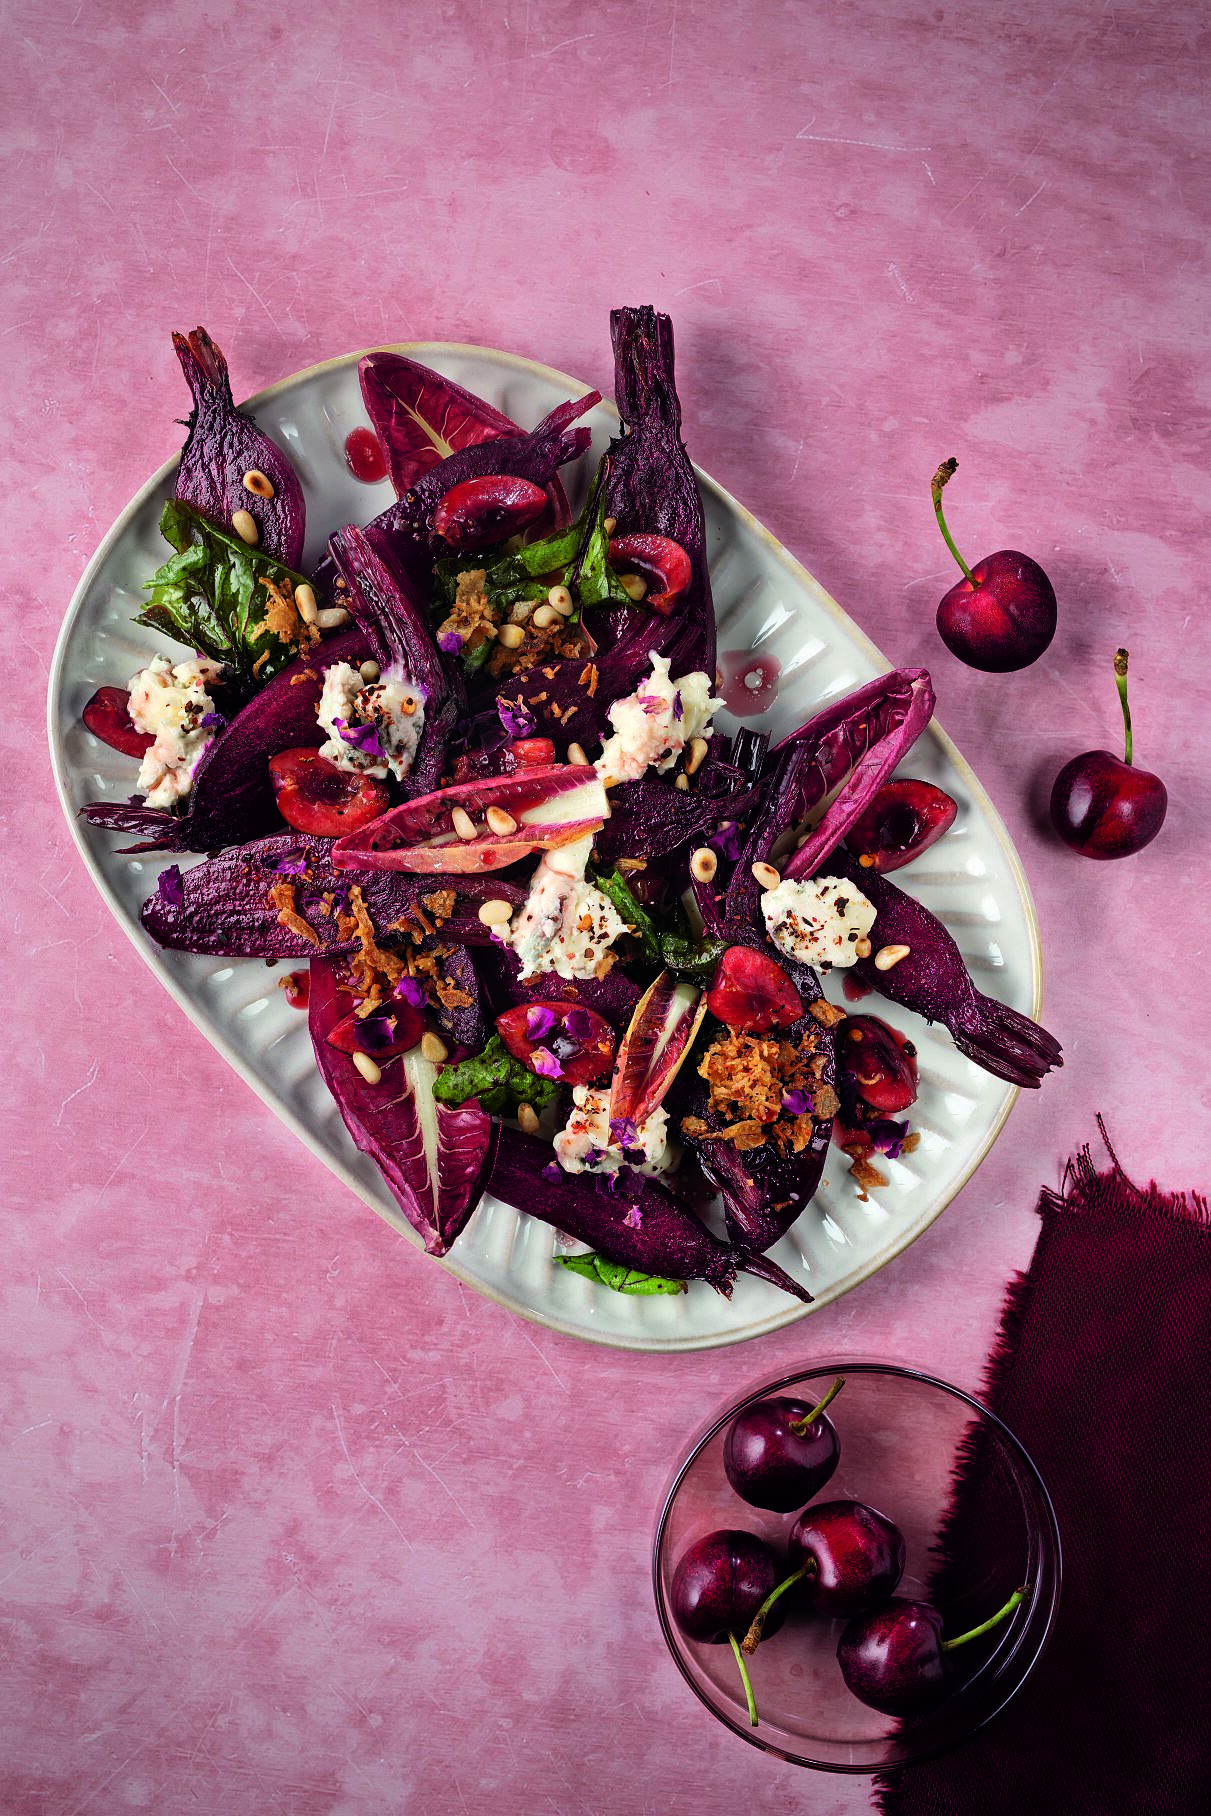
[{"x": 291, "y": 1521}]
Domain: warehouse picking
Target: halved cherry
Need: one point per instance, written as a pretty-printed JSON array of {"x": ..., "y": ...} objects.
[
  {"x": 904, "y": 819},
  {"x": 875, "y": 1063},
  {"x": 487, "y": 510},
  {"x": 532, "y": 753},
  {"x": 559, "y": 1040},
  {"x": 313, "y": 795},
  {"x": 107, "y": 717},
  {"x": 752, "y": 992},
  {"x": 383, "y": 1034},
  {"x": 659, "y": 560}
]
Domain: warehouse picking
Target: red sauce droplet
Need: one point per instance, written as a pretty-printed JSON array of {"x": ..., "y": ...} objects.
[
  {"x": 298, "y": 989},
  {"x": 748, "y": 681},
  {"x": 854, "y": 989},
  {"x": 364, "y": 456}
]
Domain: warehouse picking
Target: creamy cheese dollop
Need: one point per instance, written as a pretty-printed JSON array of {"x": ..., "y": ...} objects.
[
  {"x": 653, "y": 725},
  {"x": 375, "y": 727},
  {"x": 818, "y": 921},
  {"x": 565, "y": 925},
  {"x": 587, "y": 1144},
  {"x": 171, "y": 702}
]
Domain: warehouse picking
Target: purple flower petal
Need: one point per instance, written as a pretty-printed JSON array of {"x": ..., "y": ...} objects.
[
  {"x": 634, "y": 1218},
  {"x": 516, "y": 718},
  {"x": 726, "y": 841},
  {"x": 215, "y": 719},
  {"x": 678, "y": 710},
  {"x": 409, "y": 991},
  {"x": 172, "y": 887},
  {"x": 360, "y": 737},
  {"x": 796, "y": 1102},
  {"x": 579, "y": 1024},
  {"x": 291, "y": 863},
  {"x": 545, "y": 1064},
  {"x": 889, "y": 1137},
  {"x": 539, "y": 1021},
  {"x": 624, "y": 1132},
  {"x": 553, "y": 1172},
  {"x": 450, "y": 643}
]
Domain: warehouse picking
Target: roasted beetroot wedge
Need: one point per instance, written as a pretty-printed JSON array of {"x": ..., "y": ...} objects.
[
  {"x": 232, "y": 799},
  {"x": 651, "y": 1230},
  {"x": 433, "y": 1156},
  {"x": 228, "y": 465},
  {"x": 477, "y": 826},
  {"x": 928, "y": 976}
]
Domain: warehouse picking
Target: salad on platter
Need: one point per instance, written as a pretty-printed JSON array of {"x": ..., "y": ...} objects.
[{"x": 563, "y": 939}]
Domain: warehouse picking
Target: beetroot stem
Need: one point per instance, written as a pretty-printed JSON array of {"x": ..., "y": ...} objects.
[
  {"x": 799, "y": 1426},
  {"x": 745, "y": 1680},
  {"x": 752, "y": 1638},
  {"x": 948, "y": 1645},
  {"x": 946, "y": 472},
  {"x": 1120, "y": 679}
]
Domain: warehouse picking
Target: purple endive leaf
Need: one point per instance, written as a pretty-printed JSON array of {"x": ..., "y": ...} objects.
[
  {"x": 664, "y": 1238},
  {"x": 433, "y": 1156},
  {"x": 660, "y": 1035},
  {"x": 225, "y": 909},
  {"x": 422, "y": 418},
  {"x": 222, "y": 446},
  {"x": 232, "y": 798},
  {"x": 932, "y": 980}
]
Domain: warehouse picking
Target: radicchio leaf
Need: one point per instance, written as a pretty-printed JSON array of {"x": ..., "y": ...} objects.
[
  {"x": 662, "y": 1031},
  {"x": 223, "y": 445},
  {"x": 433, "y": 1156},
  {"x": 550, "y": 805}
]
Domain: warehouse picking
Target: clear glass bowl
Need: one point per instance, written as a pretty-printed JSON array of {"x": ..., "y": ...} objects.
[{"x": 901, "y": 1435}]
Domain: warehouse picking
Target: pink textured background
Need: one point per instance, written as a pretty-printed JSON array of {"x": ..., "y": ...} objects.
[{"x": 291, "y": 1521}]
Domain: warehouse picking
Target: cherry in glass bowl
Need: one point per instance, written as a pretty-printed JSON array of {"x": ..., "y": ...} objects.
[{"x": 901, "y": 1433}]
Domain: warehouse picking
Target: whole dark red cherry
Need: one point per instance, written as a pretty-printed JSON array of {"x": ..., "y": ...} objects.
[
  {"x": 1002, "y": 614},
  {"x": 858, "y": 1555},
  {"x": 904, "y": 819},
  {"x": 778, "y": 1453},
  {"x": 1101, "y": 805},
  {"x": 719, "y": 1584},
  {"x": 894, "y": 1658}
]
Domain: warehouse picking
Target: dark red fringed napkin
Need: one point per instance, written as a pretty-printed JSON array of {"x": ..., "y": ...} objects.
[{"x": 1103, "y": 1370}]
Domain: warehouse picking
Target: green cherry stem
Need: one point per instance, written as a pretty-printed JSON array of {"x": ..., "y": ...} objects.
[
  {"x": 1120, "y": 677},
  {"x": 746, "y": 1681},
  {"x": 948, "y": 1645},
  {"x": 752, "y": 1638},
  {"x": 799, "y": 1426},
  {"x": 944, "y": 473}
]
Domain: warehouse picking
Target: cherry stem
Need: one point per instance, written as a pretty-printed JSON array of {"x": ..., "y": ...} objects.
[
  {"x": 946, "y": 472},
  {"x": 799, "y": 1426},
  {"x": 752, "y": 1638},
  {"x": 745, "y": 1680},
  {"x": 948, "y": 1645},
  {"x": 1120, "y": 678}
]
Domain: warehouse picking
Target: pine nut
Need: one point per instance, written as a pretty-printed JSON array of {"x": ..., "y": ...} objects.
[
  {"x": 526, "y": 1118},
  {"x": 433, "y": 1048},
  {"x": 609, "y": 525},
  {"x": 500, "y": 821},
  {"x": 633, "y": 586},
  {"x": 331, "y": 618},
  {"x": 304, "y": 599},
  {"x": 462, "y": 823},
  {"x": 369, "y": 671},
  {"x": 366, "y": 1066},
  {"x": 683, "y": 783},
  {"x": 258, "y": 483},
  {"x": 576, "y": 755},
  {"x": 867, "y": 861},
  {"x": 545, "y": 617},
  {"x": 698, "y": 750},
  {"x": 244, "y": 525},
  {"x": 766, "y": 875},
  {"x": 510, "y": 636},
  {"x": 887, "y": 956},
  {"x": 704, "y": 864},
  {"x": 862, "y": 948},
  {"x": 560, "y": 599},
  {"x": 496, "y": 912}
]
